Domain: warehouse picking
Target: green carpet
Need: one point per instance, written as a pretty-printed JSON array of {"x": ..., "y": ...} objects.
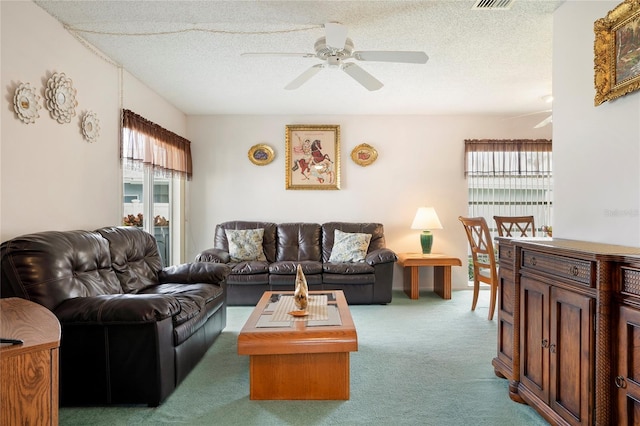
[{"x": 419, "y": 362}]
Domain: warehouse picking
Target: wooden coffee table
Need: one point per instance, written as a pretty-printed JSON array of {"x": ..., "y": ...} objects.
[{"x": 299, "y": 361}]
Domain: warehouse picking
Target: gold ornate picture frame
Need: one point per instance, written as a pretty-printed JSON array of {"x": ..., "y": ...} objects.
[
  {"x": 617, "y": 52},
  {"x": 312, "y": 156},
  {"x": 364, "y": 154},
  {"x": 261, "y": 154}
]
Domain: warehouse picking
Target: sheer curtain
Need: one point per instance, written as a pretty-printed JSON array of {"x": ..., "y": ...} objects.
[{"x": 147, "y": 144}]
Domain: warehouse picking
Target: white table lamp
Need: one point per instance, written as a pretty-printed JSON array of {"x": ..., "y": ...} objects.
[{"x": 426, "y": 219}]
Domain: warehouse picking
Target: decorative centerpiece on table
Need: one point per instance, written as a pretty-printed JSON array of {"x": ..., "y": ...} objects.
[{"x": 301, "y": 292}]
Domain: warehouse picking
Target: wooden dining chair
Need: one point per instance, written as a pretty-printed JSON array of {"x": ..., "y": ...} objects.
[
  {"x": 515, "y": 226},
  {"x": 485, "y": 268}
]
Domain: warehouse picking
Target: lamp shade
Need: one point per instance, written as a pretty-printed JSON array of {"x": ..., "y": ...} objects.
[{"x": 426, "y": 218}]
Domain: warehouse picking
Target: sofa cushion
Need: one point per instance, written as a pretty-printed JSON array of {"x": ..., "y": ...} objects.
[
  {"x": 309, "y": 267},
  {"x": 349, "y": 247},
  {"x": 197, "y": 303},
  {"x": 251, "y": 267},
  {"x": 191, "y": 297},
  {"x": 328, "y": 233},
  {"x": 331, "y": 280},
  {"x": 298, "y": 241},
  {"x": 245, "y": 244},
  {"x": 50, "y": 267},
  {"x": 262, "y": 278},
  {"x": 349, "y": 268},
  {"x": 134, "y": 256},
  {"x": 268, "y": 242},
  {"x": 117, "y": 309}
]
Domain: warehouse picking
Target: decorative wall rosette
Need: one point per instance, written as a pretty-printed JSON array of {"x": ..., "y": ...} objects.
[
  {"x": 90, "y": 126},
  {"x": 60, "y": 98},
  {"x": 26, "y": 103}
]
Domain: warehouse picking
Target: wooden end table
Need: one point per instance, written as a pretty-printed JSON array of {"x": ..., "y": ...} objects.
[
  {"x": 28, "y": 370},
  {"x": 441, "y": 272}
]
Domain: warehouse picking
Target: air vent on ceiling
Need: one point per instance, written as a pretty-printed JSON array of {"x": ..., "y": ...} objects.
[{"x": 493, "y": 4}]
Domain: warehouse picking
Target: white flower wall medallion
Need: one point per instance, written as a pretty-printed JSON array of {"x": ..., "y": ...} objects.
[
  {"x": 90, "y": 126},
  {"x": 26, "y": 103},
  {"x": 60, "y": 98}
]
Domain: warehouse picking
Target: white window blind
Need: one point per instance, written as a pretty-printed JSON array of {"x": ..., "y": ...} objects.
[{"x": 510, "y": 178}]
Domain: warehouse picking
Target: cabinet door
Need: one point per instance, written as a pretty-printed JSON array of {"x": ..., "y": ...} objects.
[
  {"x": 571, "y": 344},
  {"x": 628, "y": 372},
  {"x": 534, "y": 337},
  {"x": 506, "y": 300}
]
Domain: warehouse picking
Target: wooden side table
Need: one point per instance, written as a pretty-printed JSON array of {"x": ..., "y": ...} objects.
[
  {"x": 441, "y": 272},
  {"x": 28, "y": 371}
]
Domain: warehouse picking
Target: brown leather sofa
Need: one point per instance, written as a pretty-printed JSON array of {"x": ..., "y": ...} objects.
[
  {"x": 286, "y": 245},
  {"x": 131, "y": 330}
]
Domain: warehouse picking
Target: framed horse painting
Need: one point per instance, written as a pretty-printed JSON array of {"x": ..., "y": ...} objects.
[{"x": 312, "y": 156}]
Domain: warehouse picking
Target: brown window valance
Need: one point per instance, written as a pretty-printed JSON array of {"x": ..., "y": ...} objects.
[
  {"x": 151, "y": 145},
  {"x": 500, "y": 157}
]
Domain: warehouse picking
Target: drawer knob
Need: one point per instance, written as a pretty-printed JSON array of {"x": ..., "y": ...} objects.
[
  {"x": 552, "y": 348},
  {"x": 620, "y": 382},
  {"x": 545, "y": 343},
  {"x": 574, "y": 271},
  {"x": 509, "y": 254},
  {"x": 534, "y": 261}
]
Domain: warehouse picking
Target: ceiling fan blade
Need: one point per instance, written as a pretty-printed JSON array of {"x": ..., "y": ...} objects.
[
  {"x": 297, "y": 55},
  {"x": 531, "y": 113},
  {"x": 361, "y": 76},
  {"x": 304, "y": 77},
  {"x": 544, "y": 122},
  {"x": 336, "y": 35},
  {"x": 411, "y": 57}
]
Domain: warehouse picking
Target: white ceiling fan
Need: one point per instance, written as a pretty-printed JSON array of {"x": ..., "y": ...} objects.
[{"x": 335, "y": 49}]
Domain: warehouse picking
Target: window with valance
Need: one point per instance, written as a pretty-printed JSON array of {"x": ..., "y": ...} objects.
[
  {"x": 146, "y": 144},
  {"x": 522, "y": 157},
  {"x": 510, "y": 178},
  {"x": 156, "y": 165}
]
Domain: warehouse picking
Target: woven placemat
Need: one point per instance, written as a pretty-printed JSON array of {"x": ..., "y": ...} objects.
[{"x": 317, "y": 309}]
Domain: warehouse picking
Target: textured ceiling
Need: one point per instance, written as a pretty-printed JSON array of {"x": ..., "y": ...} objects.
[{"x": 480, "y": 61}]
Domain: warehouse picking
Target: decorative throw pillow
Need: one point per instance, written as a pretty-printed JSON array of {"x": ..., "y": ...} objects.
[
  {"x": 245, "y": 244},
  {"x": 349, "y": 247}
]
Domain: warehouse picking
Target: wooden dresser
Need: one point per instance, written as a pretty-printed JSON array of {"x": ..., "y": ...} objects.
[
  {"x": 28, "y": 371},
  {"x": 568, "y": 327}
]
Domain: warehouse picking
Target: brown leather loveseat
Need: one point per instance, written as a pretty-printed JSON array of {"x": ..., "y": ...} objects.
[
  {"x": 367, "y": 279},
  {"x": 131, "y": 330}
]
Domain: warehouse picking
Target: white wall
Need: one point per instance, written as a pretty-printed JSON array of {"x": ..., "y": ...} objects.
[
  {"x": 51, "y": 178},
  {"x": 420, "y": 162},
  {"x": 596, "y": 149}
]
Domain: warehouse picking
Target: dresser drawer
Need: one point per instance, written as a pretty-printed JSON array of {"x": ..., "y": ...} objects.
[
  {"x": 631, "y": 281},
  {"x": 506, "y": 255},
  {"x": 560, "y": 266}
]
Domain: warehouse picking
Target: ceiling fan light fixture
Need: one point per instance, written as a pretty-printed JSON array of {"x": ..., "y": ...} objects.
[{"x": 334, "y": 61}]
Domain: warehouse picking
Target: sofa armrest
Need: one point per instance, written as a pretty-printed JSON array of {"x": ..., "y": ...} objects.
[
  {"x": 213, "y": 255},
  {"x": 383, "y": 255},
  {"x": 117, "y": 309},
  {"x": 191, "y": 273}
]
